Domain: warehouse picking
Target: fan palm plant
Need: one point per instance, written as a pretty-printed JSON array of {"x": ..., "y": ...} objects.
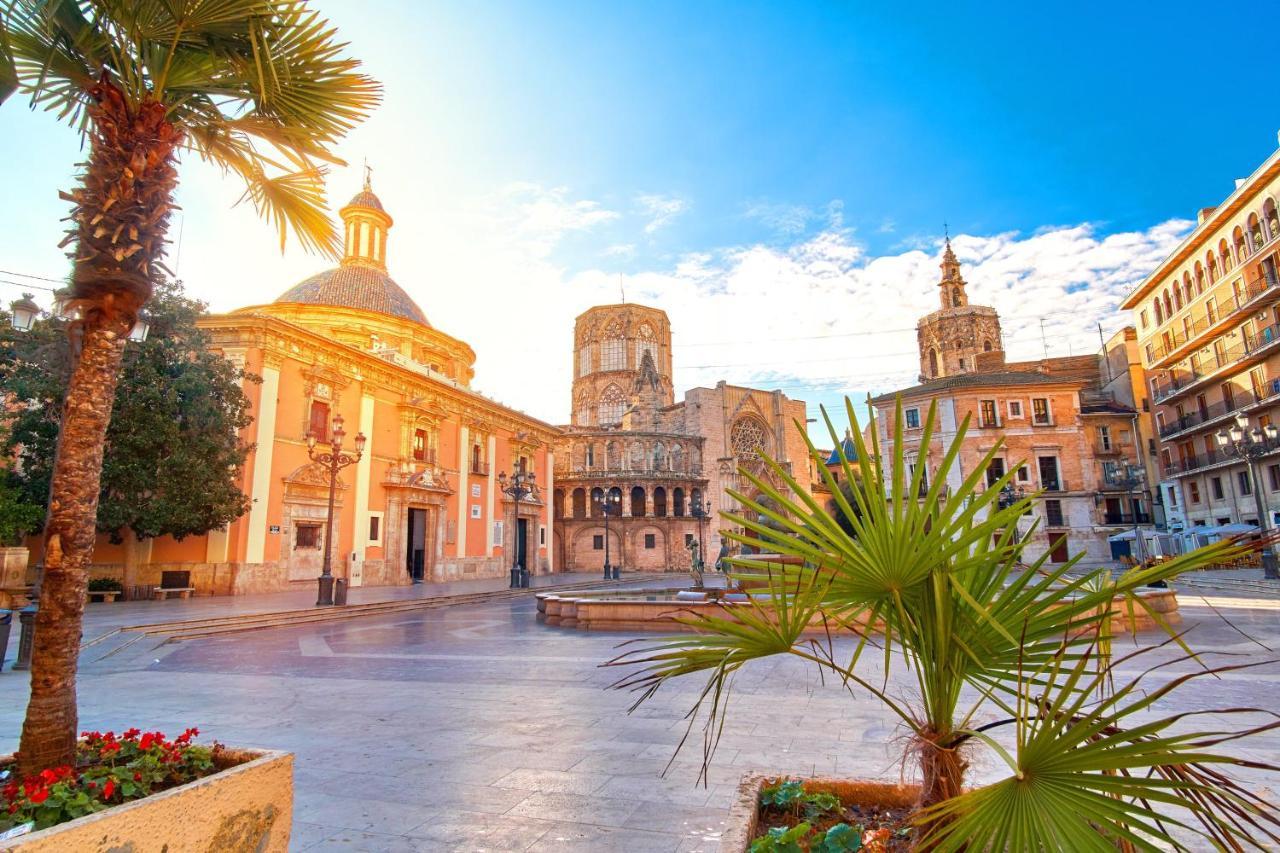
[
  {"x": 260, "y": 88},
  {"x": 939, "y": 574}
]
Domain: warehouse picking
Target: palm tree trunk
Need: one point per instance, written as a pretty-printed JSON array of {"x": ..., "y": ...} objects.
[
  {"x": 49, "y": 732},
  {"x": 121, "y": 215}
]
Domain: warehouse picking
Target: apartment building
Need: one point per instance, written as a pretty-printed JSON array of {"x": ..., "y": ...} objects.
[{"x": 1207, "y": 320}]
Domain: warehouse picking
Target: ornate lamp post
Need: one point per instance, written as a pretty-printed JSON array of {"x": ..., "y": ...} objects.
[
  {"x": 1130, "y": 478},
  {"x": 702, "y": 511},
  {"x": 610, "y": 504},
  {"x": 1251, "y": 445},
  {"x": 23, "y": 312},
  {"x": 518, "y": 486},
  {"x": 334, "y": 461}
]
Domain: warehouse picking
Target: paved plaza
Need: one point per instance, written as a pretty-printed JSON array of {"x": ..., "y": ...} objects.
[{"x": 476, "y": 728}]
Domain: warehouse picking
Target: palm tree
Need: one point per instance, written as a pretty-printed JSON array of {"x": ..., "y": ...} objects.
[
  {"x": 939, "y": 573},
  {"x": 257, "y": 87}
]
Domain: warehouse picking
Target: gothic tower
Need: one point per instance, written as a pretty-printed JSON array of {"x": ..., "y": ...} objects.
[
  {"x": 959, "y": 337},
  {"x": 622, "y": 356}
]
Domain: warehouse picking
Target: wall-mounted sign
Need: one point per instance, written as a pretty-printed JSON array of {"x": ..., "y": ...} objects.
[
  {"x": 475, "y": 490},
  {"x": 275, "y": 528}
]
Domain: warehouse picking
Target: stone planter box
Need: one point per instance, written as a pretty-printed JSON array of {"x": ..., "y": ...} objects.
[
  {"x": 246, "y": 807},
  {"x": 13, "y": 567},
  {"x": 744, "y": 815},
  {"x": 107, "y": 595}
]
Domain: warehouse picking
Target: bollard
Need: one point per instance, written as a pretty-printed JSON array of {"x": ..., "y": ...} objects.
[
  {"x": 340, "y": 592},
  {"x": 524, "y": 578},
  {"x": 6, "y": 624},
  {"x": 27, "y": 621},
  {"x": 515, "y": 577}
]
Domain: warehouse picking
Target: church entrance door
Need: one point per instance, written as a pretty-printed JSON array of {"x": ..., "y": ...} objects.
[{"x": 416, "y": 551}]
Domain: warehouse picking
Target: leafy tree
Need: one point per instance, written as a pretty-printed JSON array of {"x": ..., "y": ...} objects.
[
  {"x": 260, "y": 88},
  {"x": 18, "y": 516},
  {"x": 173, "y": 455}
]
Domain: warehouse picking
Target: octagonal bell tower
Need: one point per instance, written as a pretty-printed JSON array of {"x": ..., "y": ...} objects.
[
  {"x": 958, "y": 338},
  {"x": 611, "y": 343}
]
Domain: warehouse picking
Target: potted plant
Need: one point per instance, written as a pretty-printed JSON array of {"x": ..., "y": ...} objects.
[
  {"x": 17, "y": 519},
  {"x": 1004, "y": 656},
  {"x": 140, "y": 790},
  {"x": 105, "y": 589}
]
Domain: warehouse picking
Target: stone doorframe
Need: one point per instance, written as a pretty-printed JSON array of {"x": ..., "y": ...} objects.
[
  {"x": 533, "y": 510},
  {"x": 417, "y": 492},
  {"x": 306, "y": 498}
]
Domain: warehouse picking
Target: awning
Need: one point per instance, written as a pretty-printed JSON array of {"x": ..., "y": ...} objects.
[
  {"x": 1127, "y": 535},
  {"x": 1225, "y": 529}
]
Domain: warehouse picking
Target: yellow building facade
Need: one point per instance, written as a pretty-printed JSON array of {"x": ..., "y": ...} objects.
[{"x": 423, "y": 503}]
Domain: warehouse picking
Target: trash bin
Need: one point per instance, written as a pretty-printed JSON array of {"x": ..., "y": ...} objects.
[
  {"x": 340, "y": 592},
  {"x": 6, "y": 623}
]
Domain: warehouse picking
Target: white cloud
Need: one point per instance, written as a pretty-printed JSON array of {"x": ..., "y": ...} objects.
[
  {"x": 659, "y": 210},
  {"x": 785, "y": 219}
]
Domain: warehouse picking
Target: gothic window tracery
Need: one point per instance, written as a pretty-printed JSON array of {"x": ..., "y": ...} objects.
[
  {"x": 637, "y": 456},
  {"x": 748, "y": 438},
  {"x": 659, "y": 457},
  {"x": 612, "y": 404}
]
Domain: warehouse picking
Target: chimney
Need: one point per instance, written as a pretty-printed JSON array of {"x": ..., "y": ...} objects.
[
  {"x": 1239, "y": 183},
  {"x": 1204, "y": 213}
]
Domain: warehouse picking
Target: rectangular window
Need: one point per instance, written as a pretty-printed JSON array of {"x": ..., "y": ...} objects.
[
  {"x": 995, "y": 470},
  {"x": 913, "y": 418},
  {"x": 1215, "y": 488},
  {"x": 1219, "y": 352},
  {"x": 375, "y": 528},
  {"x": 597, "y": 542},
  {"x": 1024, "y": 474},
  {"x": 1258, "y": 381},
  {"x": 475, "y": 510},
  {"x": 1246, "y": 484},
  {"x": 1202, "y": 406},
  {"x": 1104, "y": 437},
  {"x": 1142, "y": 316},
  {"x": 1015, "y": 408},
  {"x": 1053, "y": 513},
  {"x": 318, "y": 424},
  {"x": 1194, "y": 488},
  {"x": 688, "y": 539},
  {"x": 1273, "y": 474},
  {"x": 987, "y": 414},
  {"x": 1151, "y": 354},
  {"x": 591, "y": 456},
  {"x": 1049, "y": 480},
  {"x": 613, "y": 354},
  {"x": 542, "y": 535},
  {"x": 650, "y": 541},
  {"x": 306, "y": 536},
  {"x": 1173, "y": 497},
  {"x": 586, "y": 355},
  {"x": 1040, "y": 411},
  {"x": 420, "y": 444},
  {"x": 1211, "y": 309},
  {"x": 1229, "y": 395}
]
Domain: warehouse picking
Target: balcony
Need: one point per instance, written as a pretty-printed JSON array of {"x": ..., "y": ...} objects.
[
  {"x": 1106, "y": 448},
  {"x": 1179, "y": 382},
  {"x": 479, "y": 468},
  {"x": 1055, "y": 485},
  {"x": 1178, "y": 338},
  {"x": 426, "y": 456},
  {"x": 1219, "y": 411},
  {"x": 1125, "y": 518}
]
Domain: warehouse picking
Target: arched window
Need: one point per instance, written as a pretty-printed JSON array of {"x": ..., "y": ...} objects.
[
  {"x": 647, "y": 343},
  {"x": 933, "y": 363},
  {"x": 1212, "y": 266},
  {"x": 1224, "y": 257},
  {"x": 1237, "y": 240},
  {"x": 955, "y": 297},
  {"x": 613, "y": 455},
  {"x": 986, "y": 346},
  {"x": 1186, "y": 287},
  {"x": 1199, "y": 278},
  {"x": 579, "y": 501},
  {"x": 1168, "y": 304},
  {"x": 612, "y": 404},
  {"x": 660, "y": 502},
  {"x": 677, "y": 458},
  {"x": 748, "y": 438},
  {"x": 1177, "y": 298},
  {"x": 591, "y": 455},
  {"x": 559, "y": 505},
  {"x": 597, "y": 498},
  {"x": 959, "y": 344},
  {"x": 962, "y": 364},
  {"x": 637, "y": 502},
  {"x": 1159, "y": 311},
  {"x": 1271, "y": 217},
  {"x": 636, "y": 456},
  {"x": 659, "y": 457},
  {"x": 586, "y": 359},
  {"x": 677, "y": 502},
  {"x": 1255, "y": 233}
]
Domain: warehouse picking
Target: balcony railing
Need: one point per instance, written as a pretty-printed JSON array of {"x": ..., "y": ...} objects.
[
  {"x": 427, "y": 455},
  {"x": 1058, "y": 485},
  {"x": 1126, "y": 518},
  {"x": 1106, "y": 448},
  {"x": 1179, "y": 337},
  {"x": 1179, "y": 381},
  {"x": 1214, "y": 411},
  {"x": 479, "y": 468}
]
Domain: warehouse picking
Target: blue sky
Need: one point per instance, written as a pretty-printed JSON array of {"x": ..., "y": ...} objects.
[{"x": 775, "y": 175}]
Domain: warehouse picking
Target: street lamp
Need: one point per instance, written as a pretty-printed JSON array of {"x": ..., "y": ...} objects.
[
  {"x": 1130, "y": 478},
  {"x": 334, "y": 461},
  {"x": 518, "y": 487},
  {"x": 1251, "y": 445},
  {"x": 702, "y": 511},
  {"x": 23, "y": 312},
  {"x": 610, "y": 503}
]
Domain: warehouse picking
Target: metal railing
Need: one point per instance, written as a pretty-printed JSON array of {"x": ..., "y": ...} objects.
[
  {"x": 1126, "y": 518},
  {"x": 1213, "y": 411},
  {"x": 1180, "y": 337},
  {"x": 480, "y": 468},
  {"x": 1180, "y": 380}
]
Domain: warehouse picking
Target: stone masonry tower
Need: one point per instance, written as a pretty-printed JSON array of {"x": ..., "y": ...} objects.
[
  {"x": 959, "y": 338},
  {"x": 611, "y": 345}
]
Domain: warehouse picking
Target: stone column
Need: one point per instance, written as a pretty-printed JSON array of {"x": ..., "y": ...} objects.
[
  {"x": 549, "y": 509},
  {"x": 464, "y": 489},
  {"x": 360, "y": 539},
  {"x": 491, "y": 488}
]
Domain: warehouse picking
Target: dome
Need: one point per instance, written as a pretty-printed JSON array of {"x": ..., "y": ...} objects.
[
  {"x": 850, "y": 450},
  {"x": 354, "y": 285},
  {"x": 366, "y": 198}
]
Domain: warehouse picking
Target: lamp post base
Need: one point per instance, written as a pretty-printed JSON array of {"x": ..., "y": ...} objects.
[
  {"x": 515, "y": 577},
  {"x": 325, "y": 597},
  {"x": 1270, "y": 566}
]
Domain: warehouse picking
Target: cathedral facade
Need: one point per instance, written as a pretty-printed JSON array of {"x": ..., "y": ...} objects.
[{"x": 658, "y": 468}]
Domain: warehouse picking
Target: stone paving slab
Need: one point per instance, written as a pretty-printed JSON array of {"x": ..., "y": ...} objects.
[{"x": 478, "y": 729}]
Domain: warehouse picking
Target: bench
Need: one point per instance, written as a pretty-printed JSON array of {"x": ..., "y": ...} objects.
[
  {"x": 173, "y": 583},
  {"x": 104, "y": 595}
]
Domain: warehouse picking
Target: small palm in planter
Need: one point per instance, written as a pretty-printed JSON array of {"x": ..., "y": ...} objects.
[{"x": 992, "y": 646}]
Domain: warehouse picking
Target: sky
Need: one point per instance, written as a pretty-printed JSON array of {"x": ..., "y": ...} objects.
[{"x": 776, "y": 176}]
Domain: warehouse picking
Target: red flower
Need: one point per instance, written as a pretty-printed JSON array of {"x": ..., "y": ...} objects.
[
  {"x": 148, "y": 740},
  {"x": 39, "y": 795},
  {"x": 137, "y": 777},
  {"x": 131, "y": 734},
  {"x": 49, "y": 776},
  {"x": 11, "y": 790},
  {"x": 108, "y": 789},
  {"x": 13, "y": 808}
]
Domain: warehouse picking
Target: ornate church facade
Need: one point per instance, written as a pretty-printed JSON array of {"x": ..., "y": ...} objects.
[
  {"x": 660, "y": 468},
  {"x": 423, "y": 503}
]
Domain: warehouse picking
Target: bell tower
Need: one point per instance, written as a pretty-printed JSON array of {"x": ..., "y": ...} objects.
[{"x": 958, "y": 337}]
